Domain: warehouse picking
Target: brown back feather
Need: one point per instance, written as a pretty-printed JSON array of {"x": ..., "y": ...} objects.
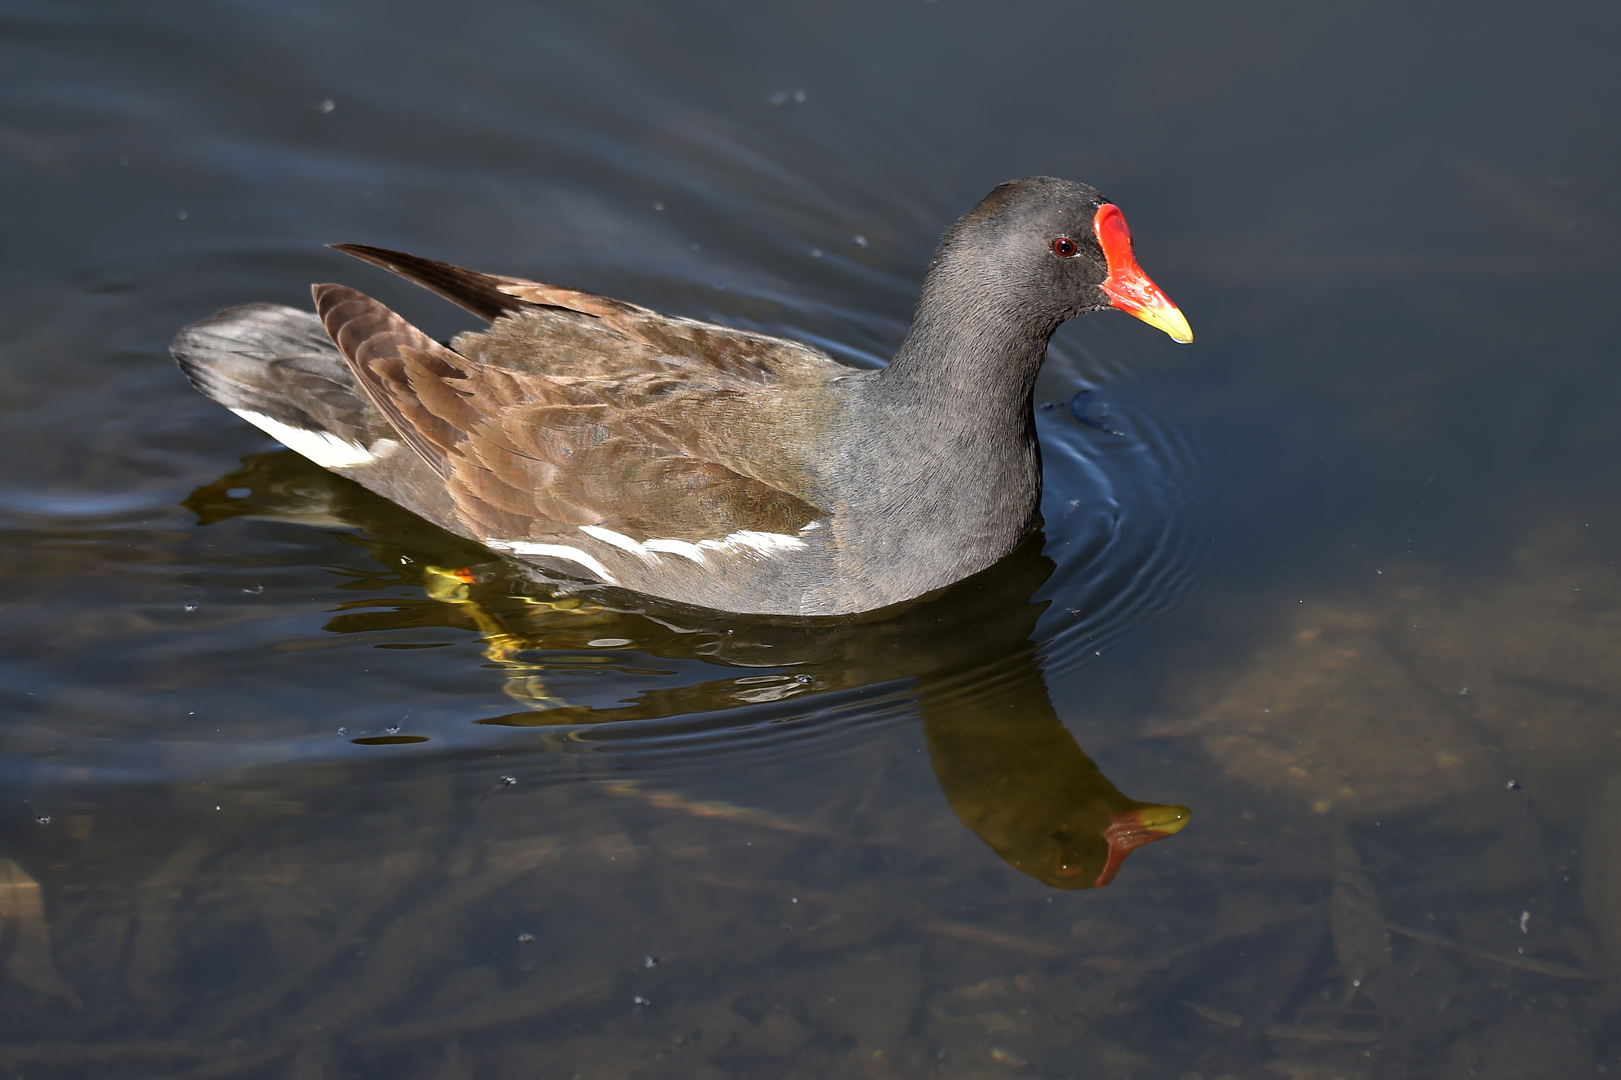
[{"x": 527, "y": 454}]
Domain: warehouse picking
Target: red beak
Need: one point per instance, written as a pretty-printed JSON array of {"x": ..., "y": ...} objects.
[{"x": 1127, "y": 287}]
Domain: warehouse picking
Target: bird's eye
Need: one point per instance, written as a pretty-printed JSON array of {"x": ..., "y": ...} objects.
[{"x": 1064, "y": 248}]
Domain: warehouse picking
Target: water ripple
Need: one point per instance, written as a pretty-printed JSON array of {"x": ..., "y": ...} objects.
[{"x": 1126, "y": 509}]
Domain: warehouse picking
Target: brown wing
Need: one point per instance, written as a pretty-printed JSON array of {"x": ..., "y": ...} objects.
[
  {"x": 488, "y": 296},
  {"x": 526, "y": 454},
  {"x": 524, "y": 310}
]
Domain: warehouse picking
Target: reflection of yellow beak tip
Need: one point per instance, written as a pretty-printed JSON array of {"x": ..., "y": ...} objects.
[{"x": 1165, "y": 820}]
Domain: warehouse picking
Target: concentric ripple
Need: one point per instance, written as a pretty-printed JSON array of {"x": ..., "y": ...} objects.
[
  {"x": 1126, "y": 506},
  {"x": 280, "y": 616}
]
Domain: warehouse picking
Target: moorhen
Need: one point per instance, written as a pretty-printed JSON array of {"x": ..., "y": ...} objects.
[{"x": 710, "y": 466}]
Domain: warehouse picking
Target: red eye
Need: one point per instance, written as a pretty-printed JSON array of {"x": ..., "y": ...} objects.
[{"x": 1064, "y": 248}]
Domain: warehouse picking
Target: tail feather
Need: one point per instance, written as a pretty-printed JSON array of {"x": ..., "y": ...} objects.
[{"x": 276, "y": 367}]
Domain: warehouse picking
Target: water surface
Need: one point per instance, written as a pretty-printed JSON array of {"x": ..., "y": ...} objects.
[{"x": 284, "y": 794}]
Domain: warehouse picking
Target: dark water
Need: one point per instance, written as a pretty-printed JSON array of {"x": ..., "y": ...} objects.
[{"x": 283, "y": 796}]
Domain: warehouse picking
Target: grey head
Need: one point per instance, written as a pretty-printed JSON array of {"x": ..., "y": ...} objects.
[{"x": 1032, "y": 254}]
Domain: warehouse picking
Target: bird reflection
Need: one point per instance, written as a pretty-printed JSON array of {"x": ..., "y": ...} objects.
[
  {"x": 1011, "y": 771},
  {"x": 1015, "y": 776}
]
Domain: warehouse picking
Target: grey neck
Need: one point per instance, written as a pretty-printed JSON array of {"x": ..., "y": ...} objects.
[
  {"x": 976, "y": 363},
  {"x": 948, "y": 438}
]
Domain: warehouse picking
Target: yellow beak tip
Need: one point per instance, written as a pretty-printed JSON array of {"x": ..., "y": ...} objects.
[
  {"x": 1166, "y": 317},
  {"x": 1176, "y": 325}
]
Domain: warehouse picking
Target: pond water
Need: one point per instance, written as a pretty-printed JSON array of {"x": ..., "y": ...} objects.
[{"x": 284, "y": 792}]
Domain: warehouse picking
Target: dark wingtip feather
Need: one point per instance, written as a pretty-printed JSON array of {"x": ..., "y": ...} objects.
[{"x": 479, "y": 293}]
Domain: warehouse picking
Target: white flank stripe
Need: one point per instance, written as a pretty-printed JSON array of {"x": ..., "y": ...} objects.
[
  {"x": 677, "y": 547},
  {"x": 556, "y": 551},
  {"x": 744, "y": 541},
  {"x": 761, "y": 543},
  {"x": 619, "y": 540},
  {"x": 321, "y": 447}
]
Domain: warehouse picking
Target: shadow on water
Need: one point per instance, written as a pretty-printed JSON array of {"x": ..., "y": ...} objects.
[{"x": 1009, "y": 768}]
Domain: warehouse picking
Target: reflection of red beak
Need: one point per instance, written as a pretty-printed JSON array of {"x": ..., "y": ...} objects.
[
  {"x": 1131, "y": 829},
  {"x": 1127, "y": 287}
]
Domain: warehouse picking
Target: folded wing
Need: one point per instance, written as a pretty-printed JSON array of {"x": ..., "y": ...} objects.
[{"x": 621, "y": 420}]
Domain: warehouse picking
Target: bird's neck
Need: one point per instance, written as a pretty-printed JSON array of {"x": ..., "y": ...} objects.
[
  {"x": 974, "y": 360},
  {"x": 960, "y": 447}
]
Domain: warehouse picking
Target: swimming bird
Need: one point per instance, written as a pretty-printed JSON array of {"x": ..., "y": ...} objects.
[{"x": 715, "y": 467}]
